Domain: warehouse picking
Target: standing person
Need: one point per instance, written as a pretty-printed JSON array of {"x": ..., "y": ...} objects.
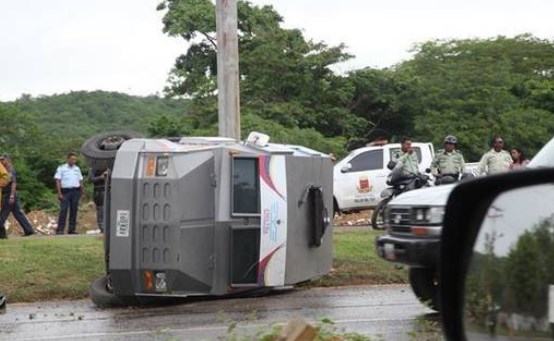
[
  {"x": 4, "y": 180},
  {"x": 518, "y": 158},
  {"x": 69, "y": 184},
  {"x": 448, "y": 164},
  {"x": 98, "y": 179},
  {"x": 496, "y": 160},
  {"x": 10, "y": 200}
]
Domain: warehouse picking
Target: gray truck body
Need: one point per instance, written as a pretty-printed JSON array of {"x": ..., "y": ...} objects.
[{"x": 181, "y": 222}]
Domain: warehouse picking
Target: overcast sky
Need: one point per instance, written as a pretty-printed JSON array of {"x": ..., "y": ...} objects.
[{"x": 55, "y": 46}]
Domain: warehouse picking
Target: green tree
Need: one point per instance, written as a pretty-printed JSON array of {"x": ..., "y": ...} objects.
[
  {"x": 284, "y": 77},
  {"x": 529, "y": 269},
  {"x": 482, "y": 87}
]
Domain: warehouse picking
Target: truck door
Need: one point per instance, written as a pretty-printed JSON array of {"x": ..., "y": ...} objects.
[{"x": 365, "y": 180}]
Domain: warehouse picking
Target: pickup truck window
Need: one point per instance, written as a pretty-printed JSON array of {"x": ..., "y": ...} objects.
[
  {"x": 396, "y": 152},
  {"x": 369, "y": 160}
]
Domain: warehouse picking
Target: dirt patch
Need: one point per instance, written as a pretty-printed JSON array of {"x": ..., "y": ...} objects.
[
  {"x": 45, "y": 223},
  {"x": 361, "y": 218}
]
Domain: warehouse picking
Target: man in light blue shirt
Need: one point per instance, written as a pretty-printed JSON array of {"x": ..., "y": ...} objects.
[{"x": 69, "y": 183}]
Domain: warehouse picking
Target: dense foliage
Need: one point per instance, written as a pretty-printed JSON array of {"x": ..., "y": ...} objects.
[
  {"x": 39, "y": 132},
  {"x": 518, "y": 281},
  {"x": 473, "y": 89}
]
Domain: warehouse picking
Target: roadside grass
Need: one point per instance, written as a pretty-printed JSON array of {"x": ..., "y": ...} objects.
[
  {"x": 356, "y": 262},
  {"x": 47, "y": 268}
]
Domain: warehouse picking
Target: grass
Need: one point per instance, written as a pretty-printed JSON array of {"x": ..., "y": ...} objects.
[
  {"x": 356, "y": 262},
  {"x": 46, "y": 268},
  {"x": 33, "y": 269}
]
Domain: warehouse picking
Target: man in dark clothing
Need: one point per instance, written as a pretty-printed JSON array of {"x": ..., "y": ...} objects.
[
  {"x": 98, "y": 179},
  {"x": 10, "y": 201}
]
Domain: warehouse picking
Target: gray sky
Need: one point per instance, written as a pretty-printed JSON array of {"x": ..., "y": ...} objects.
[{"x": 55, "y": 46}]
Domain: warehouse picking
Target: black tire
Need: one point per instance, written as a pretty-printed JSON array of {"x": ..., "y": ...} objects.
[
  {"x": 377, "y": 214},
  {"x": 425, "y": 286},
  {"x": 100, "y": 150},
  {"x": 102, "y": 297}
]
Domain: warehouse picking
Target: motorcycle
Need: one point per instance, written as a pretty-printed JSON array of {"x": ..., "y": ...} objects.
[{"x": 397, "y": 187}]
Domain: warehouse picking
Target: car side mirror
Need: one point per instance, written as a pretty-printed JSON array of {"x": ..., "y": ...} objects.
[
  {"x": 497, "y": 258},
  {"x": 346, "y": 168}
]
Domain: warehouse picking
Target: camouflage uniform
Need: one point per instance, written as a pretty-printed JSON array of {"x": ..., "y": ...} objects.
[
  {"x": 494, "y": 162},
  {"x": 448, "y": 163},
  {"x": 409, "y": 164}
]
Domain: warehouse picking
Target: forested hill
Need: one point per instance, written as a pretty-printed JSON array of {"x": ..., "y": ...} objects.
[{"x": 80, "y": 114}]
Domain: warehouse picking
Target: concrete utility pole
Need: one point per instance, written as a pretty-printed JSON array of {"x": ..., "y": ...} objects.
[{"x": 228, "y": 68}]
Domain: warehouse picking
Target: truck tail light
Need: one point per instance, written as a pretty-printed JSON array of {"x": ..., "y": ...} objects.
[
  {"x": 420, "y": 231},
  {"x": 149, "y": 280},
  {"x": 150, "y": 166}
]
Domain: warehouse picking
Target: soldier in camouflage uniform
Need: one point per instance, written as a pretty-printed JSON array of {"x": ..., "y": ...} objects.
[
  {"x": 407, "y": 158},
  {"x": 448, "y": 164},
  {"x": 406, "y": 164},
  {"x": 496, "y": 160}
]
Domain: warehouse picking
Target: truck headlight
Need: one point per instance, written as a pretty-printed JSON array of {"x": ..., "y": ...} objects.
[
  {"x": 161, "y": 283},
  {"x": 435, "y": 215},
  {"x": 429, "y": 215}
]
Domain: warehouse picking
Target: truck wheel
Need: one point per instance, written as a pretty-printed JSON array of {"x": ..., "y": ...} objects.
[
  {"x": 102, "y": 297},
  {"x": 425, "y": 286},
  {"x": 377, "y": 221},
  {"x": 100, "y": 150}
]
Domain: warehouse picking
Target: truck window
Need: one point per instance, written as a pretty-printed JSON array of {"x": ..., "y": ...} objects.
[
  {"x": 394, "y": 152},
  {"x": 246, "y": 186},
  {"x": 370, "y": 160}
]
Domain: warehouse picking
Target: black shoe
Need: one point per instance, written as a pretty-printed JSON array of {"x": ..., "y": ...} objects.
[
  {"x": 72, "y": 232},
  {"x": 28, "y": 234},
  {"x": 3, "y": 236},
  {"x": 59, "y": 232}
]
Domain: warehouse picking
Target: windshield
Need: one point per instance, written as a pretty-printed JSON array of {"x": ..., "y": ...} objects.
[{"x": 545, "y": 157}]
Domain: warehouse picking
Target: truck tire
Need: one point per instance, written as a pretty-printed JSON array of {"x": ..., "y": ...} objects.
[
  {"x": 377, "y": 215},
  {"x": 100, "y": 150},
  {"x": 102, "y": 297},
  {"x": 425, "y": 287}
]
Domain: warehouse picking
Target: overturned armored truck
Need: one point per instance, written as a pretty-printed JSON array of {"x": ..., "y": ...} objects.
[{"x": 213, "y": 216}]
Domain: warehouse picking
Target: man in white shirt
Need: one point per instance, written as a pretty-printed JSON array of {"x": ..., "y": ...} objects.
[
  {"x": 496, "y": 160},
  {"x": 69, "y": 183}
]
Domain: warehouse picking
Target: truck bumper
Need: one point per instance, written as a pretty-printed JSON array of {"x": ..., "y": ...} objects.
[{"x": 409, "y": 251}]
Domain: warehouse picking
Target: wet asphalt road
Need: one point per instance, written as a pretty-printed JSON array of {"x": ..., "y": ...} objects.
[{"x": 382, "y": 312}]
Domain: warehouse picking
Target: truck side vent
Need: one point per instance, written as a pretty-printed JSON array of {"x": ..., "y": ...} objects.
[{"x": 157, "y": 191}]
